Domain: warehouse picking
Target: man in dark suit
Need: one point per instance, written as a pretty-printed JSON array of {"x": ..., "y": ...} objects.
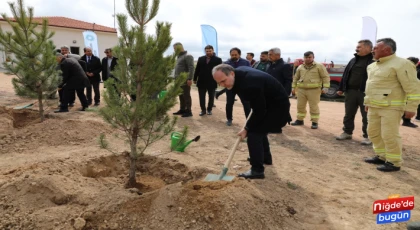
[
  {"x": 74, "y": 79},
  {"x": 94, "y": 67},
  {"x": 270, "y": 106},
  {"x": 280, "y": 70},
  {"x": 204, "y": 79},
  {"x": 108, "y": 64}
]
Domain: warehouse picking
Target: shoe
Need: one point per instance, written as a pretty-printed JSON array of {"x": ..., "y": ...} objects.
[
  {"x": 314, "y": 125},
  {"x": 409, "y": 124},
  {"x": 388, "y": 167},
  {"x": 266, "y": 162},
  {"x": 180, "y": 112},
  {"x": 209, "y": 113},
  {"x": 252, "y": 175},
  {"x": 83, "y": 108},
  {"x": 366, "y": 141},
  {"x": 229, "y": 122},
  {"x": 374, "y": 160},
  {"x": 297, "y": 122},
  {"x": 187, "y": 114},
  {"x": 71, "y": 104},
  {"x": 417, "y": 119},
  {"x": 61, "y": 111},
  {"x": 214, "y": 106},
  {"x": 202, "y": 113},
  {"x": 89, "y": 103},
  {"x": 344, "y": 136},
  {"x": 96, "y": 104},
  {"x": 217, "y": 95}
]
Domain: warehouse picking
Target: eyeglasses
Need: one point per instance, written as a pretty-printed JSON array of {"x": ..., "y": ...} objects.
[{"x": 106, "y": 52}]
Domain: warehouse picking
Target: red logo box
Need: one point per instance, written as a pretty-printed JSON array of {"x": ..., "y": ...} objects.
[{"x": 393, "y": 205}]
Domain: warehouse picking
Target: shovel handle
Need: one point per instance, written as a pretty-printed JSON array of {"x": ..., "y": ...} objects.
[{"x": 232, "y": 152}]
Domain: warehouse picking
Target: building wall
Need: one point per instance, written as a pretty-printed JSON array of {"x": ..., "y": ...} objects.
[{"x": 72, "y": 38}]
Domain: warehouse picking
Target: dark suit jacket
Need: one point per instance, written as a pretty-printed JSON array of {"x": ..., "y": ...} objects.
[
  {"x": 105, "y": 75},
  {"x": 268, "y": 99},
  {"x": 202, "y": 73},
  {"x": 283, "y": 73},
  {"x": 73, "y": 75},
  {"x": 94, "y": 66}
]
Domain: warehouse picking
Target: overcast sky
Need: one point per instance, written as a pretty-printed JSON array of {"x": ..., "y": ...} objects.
[{"x": 329, "y": 28}]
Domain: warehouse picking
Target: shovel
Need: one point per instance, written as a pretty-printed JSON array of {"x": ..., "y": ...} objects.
[
  {"x": 25, "y": 106},
  {"x": 222, "y": 175}
]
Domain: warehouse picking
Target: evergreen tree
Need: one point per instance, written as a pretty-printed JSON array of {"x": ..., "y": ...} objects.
[
  {"x": 33, "y": 60},
  {"x": 132, "y": 102}
]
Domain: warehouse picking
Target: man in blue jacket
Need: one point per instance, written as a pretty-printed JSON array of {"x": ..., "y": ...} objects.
[{"x": 234, "y": 61}]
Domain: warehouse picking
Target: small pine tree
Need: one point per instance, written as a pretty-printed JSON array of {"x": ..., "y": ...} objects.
[
  {"x": 33, "y": 62},
  {"x": 132, "y": 102}
]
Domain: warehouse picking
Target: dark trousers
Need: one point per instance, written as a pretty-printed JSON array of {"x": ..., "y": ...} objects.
[
  {"x": 259, "y": 150},
  {"x": 185, "y": 98},
  {"x": 230, "y": 100},
  {"x": 95, "y": 86},
  {"x": 202, "y": 94},
  {"x": 67, "y": 95},
  {"x": 418, "y": 113},
  {"x": 354, "y": 100},
  {"x": 72, "y": 96}
]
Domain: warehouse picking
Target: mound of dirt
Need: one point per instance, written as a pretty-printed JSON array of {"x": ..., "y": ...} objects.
[
  {"x": 52, "y": 132},
  {"x": 92, "y": 196}
]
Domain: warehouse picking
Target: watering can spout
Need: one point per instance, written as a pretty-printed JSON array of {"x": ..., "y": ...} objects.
[{"x": 177, "y": 143}]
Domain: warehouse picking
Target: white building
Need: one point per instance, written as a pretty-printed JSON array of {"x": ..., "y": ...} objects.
[{"x": 69, "y": 32}]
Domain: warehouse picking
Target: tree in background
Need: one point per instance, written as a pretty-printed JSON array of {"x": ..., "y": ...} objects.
[
  {"x": 131, "y": 96},
  {"x": 33, "y": 61}
]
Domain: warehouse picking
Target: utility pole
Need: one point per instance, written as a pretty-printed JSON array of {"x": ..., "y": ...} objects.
[{"x": 114, "y": 14}]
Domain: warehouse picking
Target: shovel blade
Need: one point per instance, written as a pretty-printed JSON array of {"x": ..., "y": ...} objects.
[{"x": 216, "y": 177}]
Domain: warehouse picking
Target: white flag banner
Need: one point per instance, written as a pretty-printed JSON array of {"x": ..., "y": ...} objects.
[
  {"x": 369, "y": 29},
  {"x": 91, "y": 40}
]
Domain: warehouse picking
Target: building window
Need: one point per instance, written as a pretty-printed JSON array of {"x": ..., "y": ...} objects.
[{"x": 75, "y": 50}]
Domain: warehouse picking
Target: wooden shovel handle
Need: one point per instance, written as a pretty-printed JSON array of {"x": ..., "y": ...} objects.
[{"x": 232, "y": 152}]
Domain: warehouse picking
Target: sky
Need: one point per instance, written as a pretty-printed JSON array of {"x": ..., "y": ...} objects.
[{"x": 329, "y": 28}]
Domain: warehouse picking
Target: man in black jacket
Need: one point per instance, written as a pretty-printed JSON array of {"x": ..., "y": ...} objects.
[
  {"x": 270, "y": 110},
  {"x": 74, "y": 79},
  {"x": 204, "y": 79},
  {"x": 280, "y": 70},
  {"x": 94, "y": 67},
  {"x": 353, "y": 84},
  {"x": 108, "y": 64}
]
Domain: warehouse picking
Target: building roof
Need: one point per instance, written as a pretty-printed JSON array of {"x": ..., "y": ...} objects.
[{"x": 72, "y": 23}]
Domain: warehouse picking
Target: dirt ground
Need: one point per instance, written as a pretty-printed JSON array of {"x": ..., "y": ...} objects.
[{"x": 54, "y": 175}]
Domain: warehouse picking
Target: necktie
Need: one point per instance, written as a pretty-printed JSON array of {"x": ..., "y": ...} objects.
[{"x": 88, "y": 59}]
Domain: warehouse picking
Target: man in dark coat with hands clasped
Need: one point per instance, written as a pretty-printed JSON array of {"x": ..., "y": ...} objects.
[
  {"x": 270, "y": 110},
  {"x": 204, "y": 79}
]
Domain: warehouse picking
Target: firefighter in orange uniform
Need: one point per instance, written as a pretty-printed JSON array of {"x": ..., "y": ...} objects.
[
  {"x": 309, "y": 79},
  {"x": 392, "y": 89}
]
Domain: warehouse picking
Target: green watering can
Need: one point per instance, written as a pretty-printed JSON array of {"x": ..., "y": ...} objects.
[
  {"x": 178, "y": 143},
  {"x": 162, "y": 94}
]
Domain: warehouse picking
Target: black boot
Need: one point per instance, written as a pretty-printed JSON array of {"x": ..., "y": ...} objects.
[
  {"x": 388, "y": 167},
  {"x": 297, "y": 122},
  {"x": 409, "y": 124},
  {"x": 187, "y": 113},
  {"x": 374, "y": 160},
  {"x": 180, "y": 112},
  {"x": 252, "y": 175},
  {"x": 314, "y": 125}
]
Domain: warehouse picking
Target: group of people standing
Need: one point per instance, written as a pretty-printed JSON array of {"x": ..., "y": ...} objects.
[
  {"x": 80, "y": 72},
  {"x": 383, "y": 86}
]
